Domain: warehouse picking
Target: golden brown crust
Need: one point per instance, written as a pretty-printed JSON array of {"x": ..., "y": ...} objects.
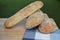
[
  {"x": 34, "y": 19},
  {"x": 23, "y": 13},
  {"x": 47, "y": 26}
]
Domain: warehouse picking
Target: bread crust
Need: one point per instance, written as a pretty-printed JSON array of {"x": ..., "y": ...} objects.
[
  {"x": 48, "y": 25},
  {"x": 34, "y": 19},
  {"x": 23, "y": 13}
]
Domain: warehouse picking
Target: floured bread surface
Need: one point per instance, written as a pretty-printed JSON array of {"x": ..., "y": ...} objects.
[
  {"x": 23, "y": 13},
  {"x": 48, "y": 25},
  {"x": 34, "y": 19},
  {"x": 53, "y": 23}
]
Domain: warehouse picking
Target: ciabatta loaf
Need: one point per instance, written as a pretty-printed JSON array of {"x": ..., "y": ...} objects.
[
  {"x": 48, "y": 25},
  {"x": 34, "y": 19}
]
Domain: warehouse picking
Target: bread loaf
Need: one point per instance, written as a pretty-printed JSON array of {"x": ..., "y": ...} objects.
[
  {"x": 34, "y": 19},
  {"x": 48, "y": 25},
  {"x": 23, "y": 13}
]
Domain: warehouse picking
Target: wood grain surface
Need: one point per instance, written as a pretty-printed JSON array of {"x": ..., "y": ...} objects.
[{"x": 15, "y": 33}]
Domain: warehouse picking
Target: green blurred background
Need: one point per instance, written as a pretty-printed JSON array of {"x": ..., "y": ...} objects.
[{"x": 10, "y": 7}]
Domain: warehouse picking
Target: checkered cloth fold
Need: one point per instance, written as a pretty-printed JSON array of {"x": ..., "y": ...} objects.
[{"x": 34, "y": 34}]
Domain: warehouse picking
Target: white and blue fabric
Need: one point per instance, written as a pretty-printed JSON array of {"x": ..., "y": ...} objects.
[{"x": 34, "y": 34}]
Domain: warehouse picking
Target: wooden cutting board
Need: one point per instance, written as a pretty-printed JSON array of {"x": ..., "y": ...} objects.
[{"x": 16, "y": 33}]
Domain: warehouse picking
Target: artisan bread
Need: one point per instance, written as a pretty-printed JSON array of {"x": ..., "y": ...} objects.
[
  {"x": 48, "y": 25},
  {"x": 34, "y": 19},
  {"x": 23, "y": 13}
]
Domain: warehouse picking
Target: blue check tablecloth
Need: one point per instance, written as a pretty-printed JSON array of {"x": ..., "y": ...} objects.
[{"x": 34, "y": 34}]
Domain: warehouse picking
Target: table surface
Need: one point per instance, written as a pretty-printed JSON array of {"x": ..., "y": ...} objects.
[{"x": 16, "y": 33}]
